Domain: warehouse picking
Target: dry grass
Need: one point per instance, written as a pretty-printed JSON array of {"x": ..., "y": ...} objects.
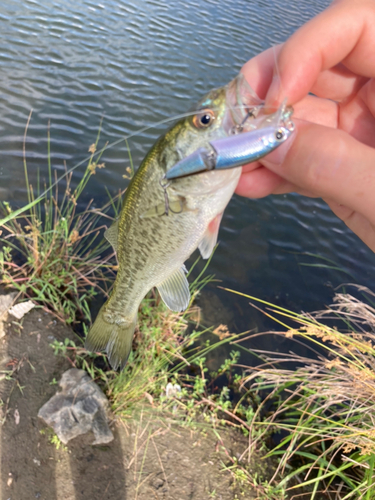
[{"x": 326, "y": 405}]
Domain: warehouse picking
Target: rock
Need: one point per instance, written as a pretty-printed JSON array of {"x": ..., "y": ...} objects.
[
  {"x": 79, "y": 408},
  {"x": 172, "y": 390},
  {"x": 19, "y": 310},
  {"x": 6, "y": 302}
]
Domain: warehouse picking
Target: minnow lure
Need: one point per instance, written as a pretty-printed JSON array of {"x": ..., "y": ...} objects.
[{"x": 240, "y": 147}]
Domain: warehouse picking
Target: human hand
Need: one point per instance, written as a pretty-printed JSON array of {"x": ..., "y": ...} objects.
[{"x": 331, "y": 154}]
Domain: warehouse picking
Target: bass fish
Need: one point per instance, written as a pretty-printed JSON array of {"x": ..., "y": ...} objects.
[{"x": 162, "y": 222}]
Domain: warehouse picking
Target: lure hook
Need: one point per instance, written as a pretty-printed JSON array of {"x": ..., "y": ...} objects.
[{"x": 237, "y": 129}]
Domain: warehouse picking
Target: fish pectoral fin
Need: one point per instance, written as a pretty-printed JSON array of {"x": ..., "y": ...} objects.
[
  {"x": 111, "y": 235},
  {"x": 169, "y": 207},
  {"x": 207, "y": 245},
  {"x": 175, "y": 291}
]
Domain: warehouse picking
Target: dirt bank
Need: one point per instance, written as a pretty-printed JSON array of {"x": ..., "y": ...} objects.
[{"x": 148, "y": 459}]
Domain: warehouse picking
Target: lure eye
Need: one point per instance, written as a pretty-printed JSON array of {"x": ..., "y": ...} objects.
[
  {"x": 204, "y": 119},
  {"x": 279, "y": 135}
]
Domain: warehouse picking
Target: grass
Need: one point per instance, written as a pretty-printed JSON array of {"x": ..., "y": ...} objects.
[
  {"x": 171, "y": 349},
  {"x": 54, "y": 255},
  {"x": 325, "y": 407},
  {"x": 167, "y": 351},
  {"x": 53, "y": 439}
]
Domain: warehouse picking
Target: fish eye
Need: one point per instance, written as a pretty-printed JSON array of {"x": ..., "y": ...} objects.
[{"x": 204, "y": 119}]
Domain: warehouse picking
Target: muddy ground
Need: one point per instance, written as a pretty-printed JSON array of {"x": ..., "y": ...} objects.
[{"x": 148, "y": 459}]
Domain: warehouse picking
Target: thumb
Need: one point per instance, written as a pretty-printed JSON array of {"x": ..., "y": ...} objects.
[{"x": 328, "y": 163}]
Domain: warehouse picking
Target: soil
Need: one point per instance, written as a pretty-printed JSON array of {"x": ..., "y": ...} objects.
[{"x": 148, "y": 459}]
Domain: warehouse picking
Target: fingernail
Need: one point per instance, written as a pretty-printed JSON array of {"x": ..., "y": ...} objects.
[
  {"x": 272, "y": 98},
  {"x": 278, "y": 155}
]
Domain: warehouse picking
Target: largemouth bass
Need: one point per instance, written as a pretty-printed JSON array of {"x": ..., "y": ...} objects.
[{"x": 161, "y": 224}]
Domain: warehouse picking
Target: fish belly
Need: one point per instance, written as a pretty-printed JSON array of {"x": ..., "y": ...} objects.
[{"x": 162, "y": 244}]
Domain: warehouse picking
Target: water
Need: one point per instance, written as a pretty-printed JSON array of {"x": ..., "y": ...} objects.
[{"x": 134, "y": 64}]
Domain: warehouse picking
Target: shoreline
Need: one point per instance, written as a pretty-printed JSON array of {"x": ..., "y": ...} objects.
[{"x": 178, "y": 463}]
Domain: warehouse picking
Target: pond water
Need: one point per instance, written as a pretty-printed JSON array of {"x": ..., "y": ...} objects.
[{"x": 136, "y": 63}]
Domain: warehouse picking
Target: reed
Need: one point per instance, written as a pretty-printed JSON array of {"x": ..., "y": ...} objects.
[{"x": 325, "y": 407}]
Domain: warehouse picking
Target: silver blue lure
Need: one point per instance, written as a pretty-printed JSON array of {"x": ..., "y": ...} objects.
[{"x": 239, "y": 147}]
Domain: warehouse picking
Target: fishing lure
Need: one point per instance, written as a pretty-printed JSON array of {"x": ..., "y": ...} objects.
[{"x": 239, "y": 147}]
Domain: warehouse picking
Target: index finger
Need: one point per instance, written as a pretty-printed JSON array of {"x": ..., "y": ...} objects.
[
  {"x": 337, "y": 83},
  {"x": 258, "y": 71},
  {"x": 342, "y": 33}
]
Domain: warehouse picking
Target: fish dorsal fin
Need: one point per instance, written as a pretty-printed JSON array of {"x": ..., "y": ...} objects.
[
  {"x": 111, "y": 235},
  {"x": 207, "y": 245},
  {"x": 175, "y": 291}
]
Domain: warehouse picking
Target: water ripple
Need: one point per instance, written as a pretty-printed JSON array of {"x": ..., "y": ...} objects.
[{"x": 135, "y": 63}]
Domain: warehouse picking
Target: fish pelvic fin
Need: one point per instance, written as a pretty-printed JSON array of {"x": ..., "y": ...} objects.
[
  {"x": 175, "y": 291},
  {"x": 115, "y": 338},
  {"x": 208, "y": 243}
]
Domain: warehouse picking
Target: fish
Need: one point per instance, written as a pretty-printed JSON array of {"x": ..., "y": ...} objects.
[{"x": 163, "y": 222}]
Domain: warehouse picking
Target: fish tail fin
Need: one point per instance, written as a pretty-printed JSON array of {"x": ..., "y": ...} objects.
[{"x": 116, "y": 339}]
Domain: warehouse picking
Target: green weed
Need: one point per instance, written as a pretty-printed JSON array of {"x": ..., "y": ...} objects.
[
  {"x": 53, "y": 439},
  {"x": 54, "y": 255}
]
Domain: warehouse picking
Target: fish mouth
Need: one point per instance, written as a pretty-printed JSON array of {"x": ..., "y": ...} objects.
[
  {"x": 245, "y": 109},
  {"x": 242, "y": 105}
]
